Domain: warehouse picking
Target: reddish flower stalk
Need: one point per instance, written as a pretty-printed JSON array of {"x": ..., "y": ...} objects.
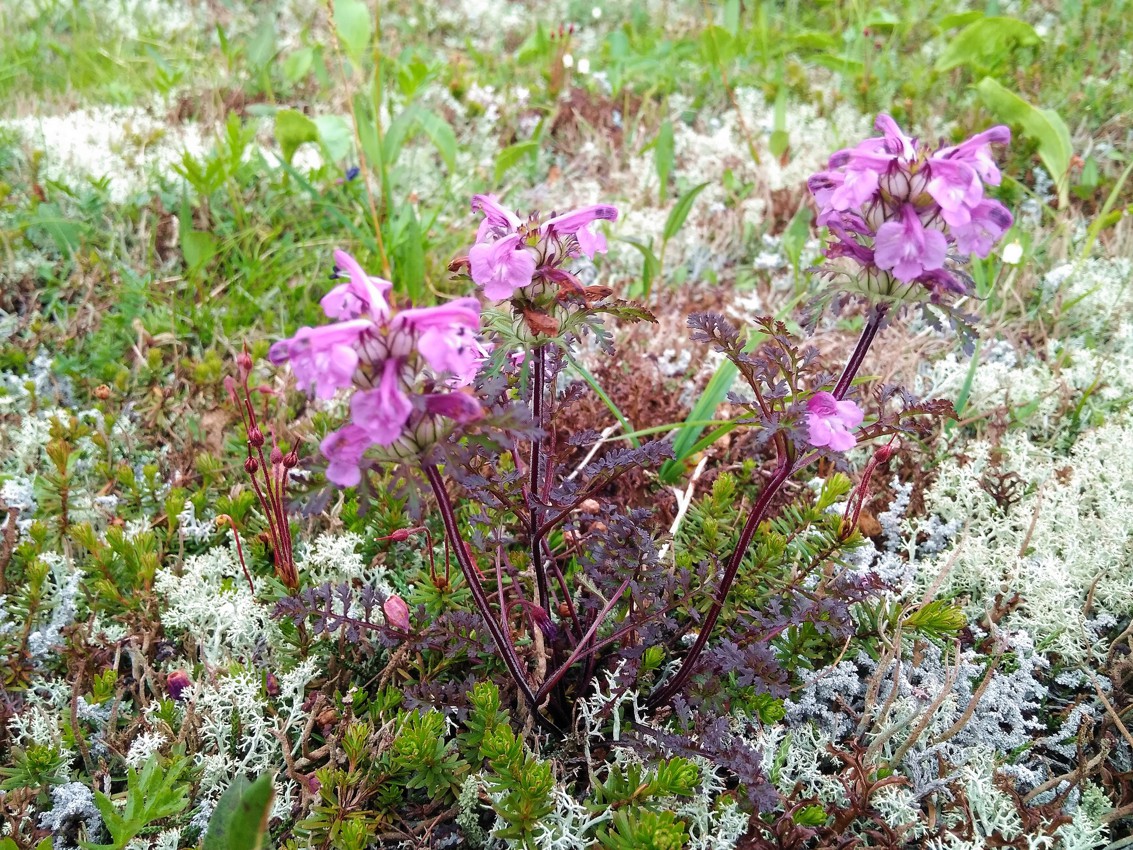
[
  {"x": 269, "y": 477},
  {"x": 225, "y": 519}
]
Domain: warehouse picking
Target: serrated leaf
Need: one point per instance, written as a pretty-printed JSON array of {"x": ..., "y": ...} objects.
[
  {"x": 292, "y": 129},
  {"x": 1044, "y": 126},
  {"x": 240, "y": 819},
  {"x": 512, "y": 155},
  {"x": 679, "y": 213},
  {"x": 986, "y": 43},
  {"x": 354, "y": 26}
]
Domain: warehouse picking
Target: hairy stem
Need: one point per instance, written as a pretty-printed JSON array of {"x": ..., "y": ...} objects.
[
  {"x": 783, "y": 471},
  {"x": 456, "y": 542}
]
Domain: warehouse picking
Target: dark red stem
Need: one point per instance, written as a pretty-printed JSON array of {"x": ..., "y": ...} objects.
[
  {"x": 535, "y": 515},
  {"x": 471, "y": 576}
]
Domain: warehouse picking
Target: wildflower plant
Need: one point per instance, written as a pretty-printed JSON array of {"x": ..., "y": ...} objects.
[{"x": 456, "y": 390}]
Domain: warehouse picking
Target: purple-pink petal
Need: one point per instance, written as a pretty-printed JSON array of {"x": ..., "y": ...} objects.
[
  {"x": 458, "y": 406},
  {"x": 501, "y": 267},
  {"x": 907, "y": 248},
  {"x": 570, "y": 222},
  {"x": 990, "y": 220},
  {"x": 494, "y": 214},
  {"x": 360, "y": 294},
  {"x": 956, "y": 187},
  {"x": 344, "y": 449},
  {"x": 590, "y": 243},
  {"x": 383, "y": 411},
  {"x": 830, "y": 422}
]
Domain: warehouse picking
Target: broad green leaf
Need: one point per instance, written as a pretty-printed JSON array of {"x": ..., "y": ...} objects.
[
  {"x": 881, "y": 19},
  {"x": 732, "y": 14},
  {"x": 298, "y": 64},
  {"x": 987, "y": 43},
  {"x": 780, "y": 140},
  {"x": 262, "y": 47},
  {"x": 293, "y": 129},
  {"x": 717, "y": 45},
  {"x": 198, "y": 247},
  {"x": 958, "y": 19},
  {"x": 1044, "y": 126},
  {"x": 663, "y": 158},
  {"x": 336, "y": 136},
  {"x": 354, "y": 26},
  {"x": 512, "y": 155},
  {"x": 679, "y": 213},
  {"x": 410, "y": 263},
  {"x": 240, "y": 819},
  {"x": 397, "y": 134},
  {"x": 442, "y": 136}
]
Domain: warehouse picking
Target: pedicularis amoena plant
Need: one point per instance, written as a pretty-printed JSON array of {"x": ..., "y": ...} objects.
[{"x": 468, "y": 393}]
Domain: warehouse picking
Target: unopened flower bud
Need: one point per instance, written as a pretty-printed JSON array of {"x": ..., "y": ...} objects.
[
  {"x": 291, "y": 459},
  {"x": 398, "y": 536},
  {"x": 176, "y": 683},
  {"x": 251, "y": 466},
  {"x": 102, "y": 392},
  {"x": 276, "y": 456},
  {"x": 397, "y": 612},
  {"x": 885, "y": 452},
  {"x": 244, "y": 361},
  {"x": 255, "y": 437},
  {"x": 271, "y": 684},
  {"x": 313, "y": 784}
]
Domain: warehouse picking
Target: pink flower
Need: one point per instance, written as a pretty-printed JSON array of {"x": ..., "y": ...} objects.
[
  {"x": 397, "y": 613},
  {"x": 344, "y": 449},
  {"x": 830, "y": 422},
  {"x": 956, "y": 187},
  {"x": 360, "y": 294},
  {"x": 510, "y": 253},
  {"x": 907, "y": 248},
  {"x": 989, "y": 221},
  {"x": 460, "y": 407},
  {"x": 501, "y": 267},
  {"x": 324, "y": 358},
  {"x": 858, "y": 186},
  {"x": 976, "y": 152},
  {"x": 383, "y": 412}
]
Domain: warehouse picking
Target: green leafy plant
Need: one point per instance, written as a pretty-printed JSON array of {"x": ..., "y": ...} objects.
[{"x": 159, "y": 791}]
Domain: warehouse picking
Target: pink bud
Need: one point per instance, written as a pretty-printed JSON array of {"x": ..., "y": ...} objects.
[
  {"x": 176, "y": 683},
  {"x": 291, "y": 459},
  {"x": 244, "y": 361},
  {"x": 251, "y": 466},
  {"x": 276, "y": 456},
  {"x": 271, "y": 684},
  {"x": 397, "y": 612},
  {"x": 256, "y": 437}
]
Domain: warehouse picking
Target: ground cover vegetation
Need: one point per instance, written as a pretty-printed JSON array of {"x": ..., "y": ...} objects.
[{"x": 568, "y": 425}]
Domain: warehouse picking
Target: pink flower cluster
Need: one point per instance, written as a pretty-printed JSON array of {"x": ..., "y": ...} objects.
[
  {"x": 895, "y": 208},
  {"x": 385, "y": 356},
  {"x": 512, "y": 253}
]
